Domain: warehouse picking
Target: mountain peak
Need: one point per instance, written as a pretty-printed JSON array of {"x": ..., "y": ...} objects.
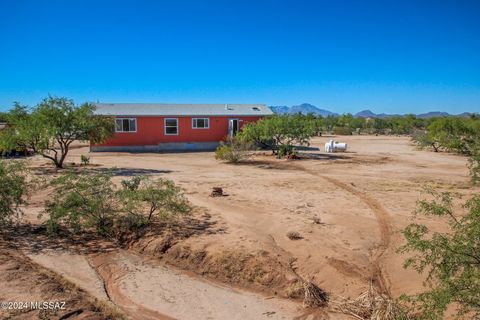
[
  {"x": 306, "y": 108},
  {"x": 365, "y": 114},
  {"x": 303, "y": 108}
]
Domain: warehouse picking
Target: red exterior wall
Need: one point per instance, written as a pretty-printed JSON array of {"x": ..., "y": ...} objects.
[{"x": 150, "y": 131}]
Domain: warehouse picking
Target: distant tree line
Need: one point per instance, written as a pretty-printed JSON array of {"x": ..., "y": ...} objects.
[
  {"x": 283, "y": 133},
  {"x": 347, "y": 124},
  {"x": 454, "y": 134}
]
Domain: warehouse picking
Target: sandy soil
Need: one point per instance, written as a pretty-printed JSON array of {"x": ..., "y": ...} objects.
[
  {"x": 362, "y": 198},
  {"x": 131, "y": 281},
  {"x": 24, "y": 281}
]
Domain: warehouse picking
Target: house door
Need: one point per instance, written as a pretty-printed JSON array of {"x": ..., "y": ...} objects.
[{"x": 232, "y": 127}]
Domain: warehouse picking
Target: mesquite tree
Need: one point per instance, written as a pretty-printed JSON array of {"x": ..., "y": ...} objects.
[
  {"x": 451, "y": 259},
  {"x": 280, "y": 131},
  {"x": 92, "y": 201},
  {"x": 52, "y": 126},
  {"x": 13, "y": 189}
]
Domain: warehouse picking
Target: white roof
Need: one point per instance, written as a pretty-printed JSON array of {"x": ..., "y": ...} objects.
[{"x": 163, "y": 109}]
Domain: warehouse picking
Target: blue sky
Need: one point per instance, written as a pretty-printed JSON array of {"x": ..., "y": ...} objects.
[{"x": 388, "y": 56}]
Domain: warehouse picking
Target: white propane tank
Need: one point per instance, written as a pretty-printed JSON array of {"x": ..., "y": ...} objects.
[
  {"x": 329, "y": 146},
  {"x": 334, "y": 146},
  {"x": 340, "y": 146}
]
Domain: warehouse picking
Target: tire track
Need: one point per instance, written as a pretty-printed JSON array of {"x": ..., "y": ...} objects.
[{"x": 384, "y": 221}]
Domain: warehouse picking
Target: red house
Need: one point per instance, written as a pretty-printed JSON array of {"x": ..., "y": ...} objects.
[{"x": 174, "y": 127}]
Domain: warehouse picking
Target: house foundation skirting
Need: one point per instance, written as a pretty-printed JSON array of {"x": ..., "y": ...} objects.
[{"x": 161, "y": 147}]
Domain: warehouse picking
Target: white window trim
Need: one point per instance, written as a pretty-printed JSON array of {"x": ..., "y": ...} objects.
[
  {"x": 165, "y": 127},
  {"x": 134, "y": 119},
  {"x": 208, "y": 120}
]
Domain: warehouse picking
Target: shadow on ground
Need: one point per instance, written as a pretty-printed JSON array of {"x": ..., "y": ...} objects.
[
  {"x": 34, "y": 238},
  {"x": 324, "y": 156},
  {"x": 127, "y": 172},
  {"x": 120, "y": 172}
]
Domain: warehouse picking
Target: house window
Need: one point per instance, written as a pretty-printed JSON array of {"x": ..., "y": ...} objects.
[
  {"x": 200, "y": 123},
  {"x": 125, "y": 125},
  {"x": 171, "y": 126}
]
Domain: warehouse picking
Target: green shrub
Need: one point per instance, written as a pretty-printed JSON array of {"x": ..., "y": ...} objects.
[
  {"x": 474, "y": 166},
  {"x": 132, "y": 184},
  {"x": 450, "y": 259},
  {"x": 84, "y": 201},
  {"x": 13, "y": 188},
  {"x": 154, "y": 198},
  {"x": 226, "y": 153},
  {"x": 286, "y": 150},
  {"x": 454, "y": 134},
  {"x": 234, "y": 149},
  {"x": 85, "y": 160},
  {"x": 424, "y": 140}
]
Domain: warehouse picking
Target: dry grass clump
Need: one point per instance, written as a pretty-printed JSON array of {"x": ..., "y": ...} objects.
[
  {"x": 295, "y": 290},
  {"x": 314, "y": 296},
  {"x": 107, "y": 310},
  {"x": 316, "y": 220},
  {"x": 371, "y": 305},
  {"x": 294, "y": 235}
]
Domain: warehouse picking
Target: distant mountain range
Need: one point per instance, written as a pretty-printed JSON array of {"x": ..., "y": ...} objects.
[
  {"x": 306, "y": 108},
  {"x": 303, "y": 108}
]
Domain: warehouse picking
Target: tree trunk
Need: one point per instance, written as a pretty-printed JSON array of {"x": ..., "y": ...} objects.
[
  {"x": 62, "y": 159},
  {"x": 63, "y": 155},
  {"x": 58, "y": 164},
  {"x": 54, "y": 159}
]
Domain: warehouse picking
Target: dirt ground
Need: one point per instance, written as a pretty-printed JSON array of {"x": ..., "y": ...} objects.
[
  {"x": 347, "y": 207},
  {"x": 25, "y": 282}
]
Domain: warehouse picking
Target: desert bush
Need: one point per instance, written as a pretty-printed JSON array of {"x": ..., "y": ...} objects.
[
  {"x": 345, "y": 131},
  {"x": 224, "y": 152},
  {"x": 85, "y": 160},
  {"x": 460, "y": 135},
  {"x": 444, "y": 133},
  {"x": 132, "y": 184},
  {"x": 159, "y": 198},
  {"x": 423, "y": 140},
  {"x": 451, "y": 259},
  {"x": 474, "y": 166},
  {"x": 294, "y": 235},
  {"x": 84, "y": 201},
  {"x": 13, "y": 189},
  {"x": 285, "y": 150},
  {"x": 234, "y": 149}
]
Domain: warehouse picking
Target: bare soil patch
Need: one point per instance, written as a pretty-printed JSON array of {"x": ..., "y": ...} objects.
[
  {"x": 25, "y": 281},
  {"x": 360, "y": 199}
]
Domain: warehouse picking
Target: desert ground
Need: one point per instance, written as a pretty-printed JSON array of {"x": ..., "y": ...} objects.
[{"x": 232, "y": 258}]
